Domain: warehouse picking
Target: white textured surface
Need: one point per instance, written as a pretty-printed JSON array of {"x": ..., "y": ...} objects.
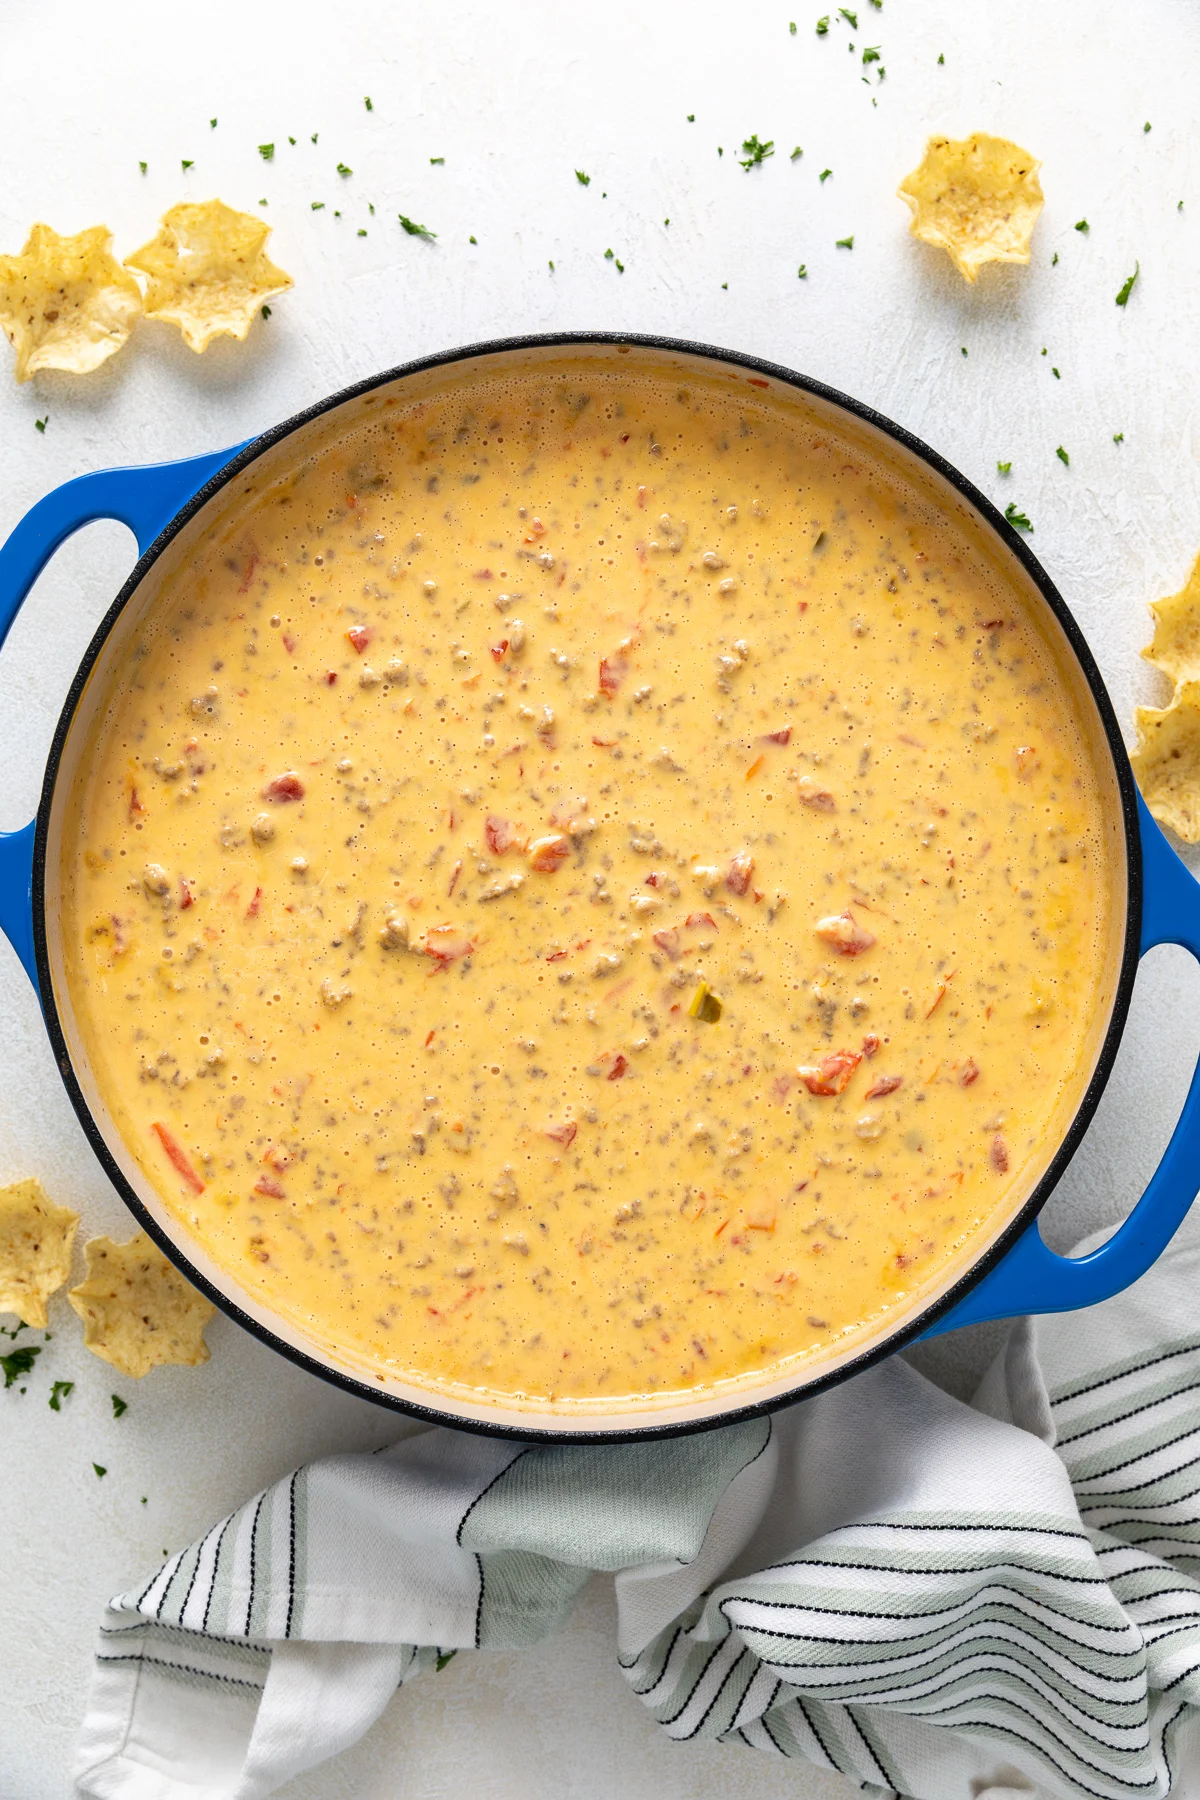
[{"x": 515, "y": 98}]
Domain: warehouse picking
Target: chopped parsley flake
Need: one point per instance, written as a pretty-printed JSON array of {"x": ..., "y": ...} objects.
[
  {"x": 1118, "y": 437},
  {"x": 792, "y": 27},
  {"x": 964, "y": 349},
  {"x": 367, "y": 103},
  {"x": 101, "y": 1472},
  {"x": 582, "y": 179},
  {"x": 142, "y": 167},
  {"x": 472, "y": 240},
  {"x": 802, "y": 272},
  {"x": 871, "y": 54},
  {"x": 1055, "y": 374},
  {"x": 1004, "y": 468},
  {"x": 291, "y": 140},
  {"x": 1054, "y": 260},
  {"x": 850, "y": 18},
  {"x": 666, "y": 221},
  {"x": 58, "y": 1394},
  {"x": 720, "y": 151},
  {"x": 434, "y": 160},
  {"x": 119, "y": 1406},
  {"x": 444, "y": 1657},
  {"x": 755, "y": 152},
  {"x": 1082, "y": 225},
  {"x": 371, "y": 208},
  {"x": 266, "y": 311},
  {"x": 212, "y": 124},
  {"x": 318, "y": 205},
  {"x": 40, "y": 424},
  {"x": 1146, "y": 126},
  {"x": 362, "y": 231},
  {"x": 825, "y": 174},
  {"x": 1062, "y": 456},
  {"x": 1016, "y": 518},
  {"x": 313, "y": 138},
  {"x": 262, "y": 203},
  {"x": 344, "y": 169},
  {"x": 941, "y": 59},
  {"x": 612, "y": 257},
  {"x": 267, "y": 151},
  {"x": 823, "y": 25},
  {"x": 691, "y": 118},
  {"x": 413, "y": 229},
  {"x": 845, "y": 243},
  {"x": 1127, "y": 289},
  {"x": 18, "y": 1363},
  {"x": 552, "y": 268},
  {"x": 797, "y": 152},
  {"x": 187, "y": 162}
]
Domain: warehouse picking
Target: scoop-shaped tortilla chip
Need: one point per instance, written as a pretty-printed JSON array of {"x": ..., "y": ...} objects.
[
  {"x": 138, "y": 1311},
  {"x": 976, "y": 198},
  {"x": 1176, "y": 646},
  {"x": 1167, "y": 761},
  {"x": 209, "y": 271},
  {"x": 66, "y": 302},
  {"x": 35, "y": 1249}
]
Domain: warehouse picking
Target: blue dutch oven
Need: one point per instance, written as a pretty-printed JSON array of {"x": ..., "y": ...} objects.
[{"x": 166, "y": 505}]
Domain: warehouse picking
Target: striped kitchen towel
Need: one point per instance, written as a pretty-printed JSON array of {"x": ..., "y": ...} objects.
[{"x": 936, "y": 1599}]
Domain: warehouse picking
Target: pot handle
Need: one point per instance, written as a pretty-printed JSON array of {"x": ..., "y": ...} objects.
[
  {"x": 145, "y": 499},
  {"x": 1034, "y": 1279}
]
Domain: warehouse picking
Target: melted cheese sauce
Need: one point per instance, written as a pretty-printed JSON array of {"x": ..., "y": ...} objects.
[{"x": 463, "y": 777}]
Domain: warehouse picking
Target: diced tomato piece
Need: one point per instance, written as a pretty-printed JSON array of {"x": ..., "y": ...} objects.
[
  {"x": 886, "y": 1084},
  {"x": 831, "y": 1075},
  {"x": 252, "y": 909},
  {"x": 498, "y": 650},
  {"x": 330, "y": 677},
  {"x": 999, "y": 1155},
  {"x": 563, "y": 1134},
  {"x": 289, "y": 643},
  {"x": 668, "y": 942},
  {"x": 546, "y": 854},
  {"x": 844, "y": 932},
  {"x": 446, "y": 943},
  {"x": 283, "y": 788},
  {"x": 696, "y": 919},
  {"x": 779, "y": 737},
  {"x": 870, "y": 1044},
  {"x": 248, "y": 571},
  {"x": 177, "y": 1156},
  {"x": 613, "y": 670},
  {"x": 186, "y": 897},
  {"x": 498, "y": 835},
  {"x": 737, "y": 876},
  {"x": 968, "y": 1073},
  {"x": 268, "y": 1186},
  {"x": 620, "y": 1064},
  {"x": 359, "y": 636}
]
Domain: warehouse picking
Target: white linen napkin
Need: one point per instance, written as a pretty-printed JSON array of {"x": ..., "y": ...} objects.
[{"x": 939, "y": 1600}]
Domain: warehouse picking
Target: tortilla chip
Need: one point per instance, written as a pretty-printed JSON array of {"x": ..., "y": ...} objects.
[
  {"x": 209, "y": 271},
  {"x": 1167, "y": 761},
  {"x": 35, "y": 1249},
  {"x": 976, "y": 198},
  {"x": 66, "y": 302},
  {"x": 138, "y": 1311},
  {"x": 1176, "y": 646}
]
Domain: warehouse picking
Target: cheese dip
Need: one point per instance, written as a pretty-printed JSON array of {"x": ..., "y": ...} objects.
[{"x": 589, "y": 888}]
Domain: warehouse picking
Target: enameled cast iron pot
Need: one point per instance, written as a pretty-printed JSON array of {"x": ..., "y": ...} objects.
[{"x": 169, "y": 505}]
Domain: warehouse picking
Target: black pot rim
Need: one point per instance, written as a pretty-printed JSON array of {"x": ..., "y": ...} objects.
[{"x": 1012, "y": 542}]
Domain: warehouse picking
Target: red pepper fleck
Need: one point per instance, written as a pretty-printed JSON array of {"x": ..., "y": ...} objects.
[
  {"x": 831, "y": 1075},
  {"x": 283, "y": 788},
  {"x": 605, "y": 743},
  {"x": 563, "y": 1134},
  {"x": 779, "y": 737},
  {"x": 668, "y": 943},
  {"x": 484, "y": 575},
  {"x": 737, "y": 876},
  {"x": 620, "y": 1064},
  {"x": 886, "y": 1084},
  {"x": 429, "y": 1037},
  {"x": 556, "y": 956},
  {"x": 135, "y": 803},
  {"x": 870, "y": 1044},
  {"x": 499, "y": 649},
  {"x": 330, "y": 677},
  {"x": 177, "y": 1157},
  {"x": 289, "y": 643},
  {"x": 185, "y": 896},
  {"x": 701, "y": 918},
  {"x": 252, "y": 909},
  {"x": 446, "y": 943},
  {"x": 999, "y": 1155},
  {"x": 268, "y": 1186},
  {"x": 756, "y": 381},
  {"x": 359, "y": 636},
  {"x": 546, "y": 854},
  {"x": 613, "y": 670},
  {"x": 968, "y": 1073},
  {"x": 498, "y": 835},
  {"x": 248, "y": 571}
]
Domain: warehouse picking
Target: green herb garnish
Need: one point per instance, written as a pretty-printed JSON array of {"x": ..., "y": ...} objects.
[
  {"x": 101, "y": 1471},
  {"x": 40, "y": 424},
  {"x": 1082, "y": 225},
  {"x": 444, "y": 1657},
  {"x": 267, "y": 151},
  {"x": 871, "y": 55},
  {"x": 212, "y": 124},
  {"x": 187, "y": 162},
  {"x": 119, "y": 1406},
  {"x": 291, "y": 140},
  {"x": 1062, "y": 456},
  {"x": 344, "y": 169},
  {"x": 1055, "y": 373},
  {"x": 612, "y": 257},
  {"x": 1146, "y": 126},
  {"x": 367, "y": 103},
  {"x": 1118, "y": 437},
  {"x": 691, "y": 118},
  {"x": 964, "y": 349},
  {"x": 825, "y": 174},
  {"x": 1004, "y": 468},
  {"x": 317, "y": 205},
  {"x": 18, "y": 1363},
  {"x": 850, "y": 18},
  {"x": 435, "y": 160},
  {"x": 313, "y": 138},
  {"x": 58, "y": 1394},
  {"x": 1017, "y": 518},
  {"x": 1054, "y": 260},
  {"x": 941, "y": 59},
  {"x": 792, "y": 27},
  {"x": 413, "y": 229},
  {"x": 823, "y": 25},
  {"x": 582, "y": 179},
  {"x": 755, "y": 152},
  {"x": 142, "y": 166},
  {"x": 472, "y": 240},
  {"x": 845, "y": 243},
  {"x": 802, "y": 272},
  {"x": 266, "y": 311},
  {"x": 362, "y": 231},
  {"x": 1128, "y": 287},
  {"x": 796, "y": 153}
]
